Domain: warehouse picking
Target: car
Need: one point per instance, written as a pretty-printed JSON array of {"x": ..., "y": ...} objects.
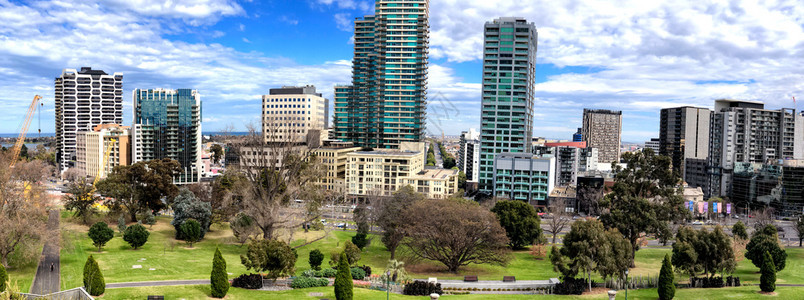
[
  {"x": 324, "y": 221},
  {"x": 697, "y": 223},
  {"x": 342, "y": 225}
]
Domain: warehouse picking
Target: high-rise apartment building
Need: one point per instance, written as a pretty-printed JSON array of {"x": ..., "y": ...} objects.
[
  {"x": 386, "y": 103},
  {"x": 92, "y": 146},
  {"x": 509, "y": 69},
  {"x": 84, "y": 99},
  {"x": 469, "y": 155},
  {"x": 654, "y": 144},
  {"x": 289, "y": 113},
  {"x": 167, "y": 124},
  {"x": 683, "y": 134},
  {"x": 746, "y": 132},
  {"x": 602, "y": 129}
]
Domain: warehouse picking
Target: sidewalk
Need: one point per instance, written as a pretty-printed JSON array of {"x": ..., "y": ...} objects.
[{"x": 47, "y": 281}]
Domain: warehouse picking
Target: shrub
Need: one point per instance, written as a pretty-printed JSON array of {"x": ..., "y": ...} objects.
[
  {"x": 707, "y": 282},
  {"x": 186, "y": 206},
  {"x": 538, "y": 251},
  {"x": 357, "y": 273},
  {"x": 767, "y": 281},
  {"x": 310, "y": 273},
  {"x": 571, "y": 286},
  {"x": 328, "y": 272},
  {"x": 763, "y": 241},
  {"x": 316, "y": 258},
  {"x": 191, "y": 231},
  {"x": 3, "y": 278},
  {"x": 94, "y": 283},
  {"x": 100, "y": 233},
  {"x": 422, "y": 288},
  {"x": 136, "y": 235},
  {"x": 732, "y": 281},
  {"x": 273, "y": 256},
  {"x": 360, "y": 240},
  {"x": 738, "y": 231},
  {"x": 248, "y": 281},
  {"x": 303, "y": 282},
  {"x": 219, "y": 280},
  {"x": 343, "y": 280},
  {"x": 366, "y": 269},
  {"x": 667, "y": 285},
  {"x": 149, "y": 218}
]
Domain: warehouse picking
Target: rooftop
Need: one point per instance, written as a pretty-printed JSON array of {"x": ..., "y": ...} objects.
[
  {"x": 435, "y": 173},
  {"x": 391, "y": 152}
]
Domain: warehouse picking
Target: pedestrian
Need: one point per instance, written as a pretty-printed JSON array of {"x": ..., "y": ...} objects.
[{"x": 51, "y": 267}]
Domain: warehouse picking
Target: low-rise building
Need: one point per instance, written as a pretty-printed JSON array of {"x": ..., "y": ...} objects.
[
  {"x": 334, "y": 158},
  {"x": 91, "y": 148},
  {"x": 524, "y": 176}
]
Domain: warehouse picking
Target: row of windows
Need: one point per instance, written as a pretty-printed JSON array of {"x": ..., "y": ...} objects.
[
  {"x": 287, "y": 106},
  {"x": 286, "y": 112},
  {"x": 288, "y": 100}
]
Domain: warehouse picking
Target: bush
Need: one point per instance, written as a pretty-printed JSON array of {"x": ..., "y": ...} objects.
[
  {"x": 136, "y": 235},
  {"x": 186, "y": 206},
  {"x": 343, "y": 280},
  {"x": 3, "y": 278},
  {"x": 667, "y": 285},
  {"x": 310, "y": 273},
  {"x": 360, "y": 240},
  {"x": 766, "y": 240},
  {"x": 706, "y": 282},
  {"x": 248, "y": 281},
  {"x": 328, "y": 272},
  {"x": 366, "y": 269},
  {"x": 316, "y": 258},
  {"x": 732, "y": 281},
  {"x": 303, "y": 282},
  {"x": 191, "y": 231},
  {"x": 767, "y": 281},
  {"x": 100, "y": 233},
  {"x": 422, "y": 288},
  {"x": 571, "y": 286},
  {"x": 738, "y": 231},
  {"x": 219, "y": 280},
  {"x": 357, "y": 273},
  {"x": 149, "y": 218},
  {"x": 94, "y": 283}
]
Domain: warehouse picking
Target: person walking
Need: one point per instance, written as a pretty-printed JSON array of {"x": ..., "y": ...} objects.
[{"x": 51, "y": 267}]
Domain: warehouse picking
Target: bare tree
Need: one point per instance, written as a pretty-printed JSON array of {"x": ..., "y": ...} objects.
[
  {"x": 455, "y": 232},
  {"x": 762, "y": 218},
  {"x": 23, "y": 214},
  {"x": 72, "y": 174},
  {"x": 560, "y": 219},
  {"x": 276, "y": 171}
]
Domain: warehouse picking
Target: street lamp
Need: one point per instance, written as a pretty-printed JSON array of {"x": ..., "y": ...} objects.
[{"x": 626, "y": 284}]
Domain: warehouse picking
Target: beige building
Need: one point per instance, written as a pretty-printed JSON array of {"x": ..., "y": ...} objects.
[
  {"x": 288, "y": 113},
  {"x": 91, "y": 147},
  {"x": 602, "y": 129},
  {"x": 383, "y": 172},
  {"x": 334, "y": 158}
]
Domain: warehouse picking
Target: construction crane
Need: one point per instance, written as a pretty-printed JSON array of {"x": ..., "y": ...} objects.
[
  {"x": 21, "y": 139},
  {"x": 103, "y": 162}
]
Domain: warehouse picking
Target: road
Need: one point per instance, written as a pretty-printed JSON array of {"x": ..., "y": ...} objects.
[
  {"x": 439, "y": 161},
  {"x": 46, "y": 280}
]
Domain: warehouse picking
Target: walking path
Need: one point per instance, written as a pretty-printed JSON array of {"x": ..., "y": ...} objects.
[
  {"x": 155, "y": 283},
  {"x": 46, "y": 280}
]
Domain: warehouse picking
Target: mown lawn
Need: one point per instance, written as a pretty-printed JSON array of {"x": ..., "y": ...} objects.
[{"x": 22, "y": 271}]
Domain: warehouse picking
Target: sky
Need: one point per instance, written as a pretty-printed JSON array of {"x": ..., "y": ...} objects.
[{"x": 635, "y": 56}]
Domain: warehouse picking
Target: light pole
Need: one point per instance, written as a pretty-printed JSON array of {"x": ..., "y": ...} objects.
[{"x": 626, "y": 284}]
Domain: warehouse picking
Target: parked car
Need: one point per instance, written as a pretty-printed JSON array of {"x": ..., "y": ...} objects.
[
  {"x": 342, "y": 225},
  {"x": 697, "y": 223}
]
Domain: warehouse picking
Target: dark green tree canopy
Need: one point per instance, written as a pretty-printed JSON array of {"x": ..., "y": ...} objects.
[
  {"x": 219, "y": 279},
  {"x": 100, "y": 233},
  {"x": 186, "y": 206},
  {"x": 520, "y": 221},
  {"x": 667, "y": 282},
  {"x": 738, "y": 231},
  {"x": 767, "y": 280},
  {"x": 316, "y": 258},
  {"x": 142, "y": 185},
  {"x": 766, "y": 240},
  {"x": 343, "y": 280},
  {"x": 275, "y": 257},
  {"x": 136, "y": 235},
  {"x": 80, "y": 198},
  {"x": 698, "y": 251}
]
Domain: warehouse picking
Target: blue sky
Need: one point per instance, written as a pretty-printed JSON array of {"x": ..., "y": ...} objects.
[{"x": 635, "y": 56}]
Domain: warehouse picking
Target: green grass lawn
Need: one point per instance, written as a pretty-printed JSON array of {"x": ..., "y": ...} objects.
[
  {"x": 203, "y": 291},
  {"x": 22, "y": 274}
]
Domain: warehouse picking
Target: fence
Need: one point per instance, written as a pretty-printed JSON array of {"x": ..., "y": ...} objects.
[
  {"x": 636, "y": 282},
  {"x": 71, "y": 294}
]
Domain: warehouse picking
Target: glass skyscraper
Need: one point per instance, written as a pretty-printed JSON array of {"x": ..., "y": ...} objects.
[
  {"x": 386, "y": 103},
  {"x": 167, "y": 124},
  {"x": 509, "y": 70}
]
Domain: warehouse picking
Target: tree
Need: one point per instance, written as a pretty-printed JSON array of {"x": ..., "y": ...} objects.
[
  {"x": 121, "y": 223},
  {"x": 343, "y": 280},
  {"x": 273, "y": 256},
  {"x": 361, "y": 217},
  {"x": 140, "y": 186},
  {"x": 217, "y": 153},
  {"x": 243, "y": 227},
  {"x": 667, "y": 282},
  {"x": 100, "y": 233},
  {"x": 94, "y": 283},
  {"x": 763, "y": 218},
  {"x": 559, "y": 218},
  {"x": 23, "y": 201},
  {"x": 223, "y": 198},
  {"x": 701, "y": 250},
  {"x": 767, "y": 281},
  {"x": 461, "y": 180},
  {"x": 645, "y": 197},
  {"x": 136, "y": 235},
  {"x": 395, "y": 272},
  {"x": 352, "y": 254},
  {"x": 520, "y": 221},
  {"x": 80, "y": 198},
  {"x": 391, "y": 217},
  {"x": 766, "y": 240},
  {"x": 185, "y": 207},
  {"x": 219, "y": 280},
  {"x": 316, "y": 258},
  {"x": 589, "y": 248},
  {"x": 24, "y": 152},
  {"x": 191, "y": 231},
  {"x": 360, "y": 240},
  {"x": 455, "y": 232},
  {"x": 738, "y": 231},
  {"x": 799, "y": 229},
  {"x": 149, "y": 219},
  {"x": 3, "y": 278}
]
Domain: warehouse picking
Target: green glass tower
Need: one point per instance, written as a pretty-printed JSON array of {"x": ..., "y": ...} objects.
[
  {"x": 386, "y": 103},
  {"x": 509, "y": 66}
]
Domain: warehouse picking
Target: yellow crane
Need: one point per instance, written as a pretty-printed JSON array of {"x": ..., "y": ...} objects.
[
  {"x": 15, "y": 154},
  {"x": 103, "y": 162}
]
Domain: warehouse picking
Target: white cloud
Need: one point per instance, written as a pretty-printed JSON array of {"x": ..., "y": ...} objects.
[
  {"x": 343, "y": 22},
  {"x": 242, "y": 27},
  {"x": 195, "y": 11}
]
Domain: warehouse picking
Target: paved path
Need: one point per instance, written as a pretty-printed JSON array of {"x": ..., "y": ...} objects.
[
  {"x": 46, "y": 280},
  {"x": 156, "y": 283}
]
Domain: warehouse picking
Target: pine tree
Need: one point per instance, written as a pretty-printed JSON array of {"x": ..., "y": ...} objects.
[
  {"x": 219, "y": 280},
  {"x": 3, "y": 278},
  {"x": 667, "y": 286},
  {"x": 343, "y": 280},
  {"x": 767, "y": 281},
  {"x": 94, "y": 283}
]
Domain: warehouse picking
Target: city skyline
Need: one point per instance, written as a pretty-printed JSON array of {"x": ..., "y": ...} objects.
[{"x": 637, "y": 57}]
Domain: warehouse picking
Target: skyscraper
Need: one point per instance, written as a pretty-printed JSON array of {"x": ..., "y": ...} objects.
[
  {"x": 167, "y": 124},
  {"x": 469, "y": 155},
  {"x": 386, "y": 103},
  {"x": 602, "y": 129},
  {"x": 684, "y": 133},
  {"x": 84, "y": 99},
  {"x": 509, "y": 69}
]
